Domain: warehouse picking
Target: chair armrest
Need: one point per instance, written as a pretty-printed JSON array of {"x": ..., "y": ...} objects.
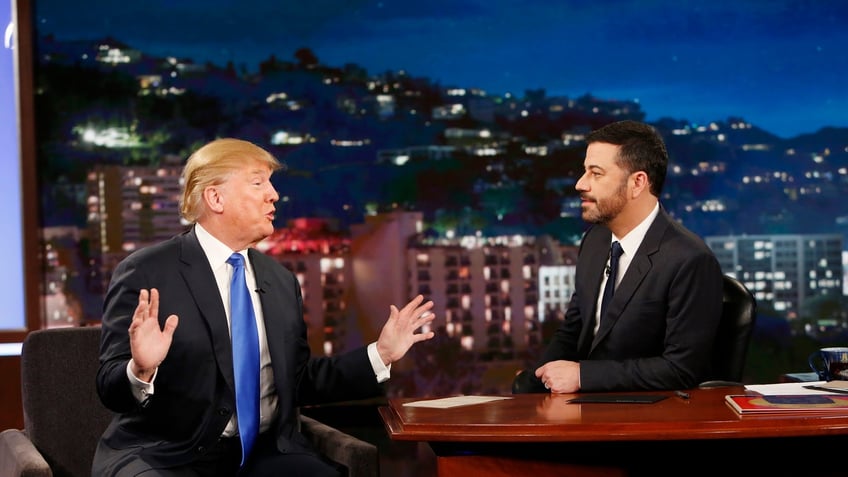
[
  {"x": 19, "y": 457},
  {"x": 526, "y": 382},
  {"x": 361, "y": 458}
]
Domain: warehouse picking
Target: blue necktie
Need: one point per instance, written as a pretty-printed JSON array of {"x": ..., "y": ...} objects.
[
  {"x": 609, "y": 289},
  {"x": 245, "y": 357}
]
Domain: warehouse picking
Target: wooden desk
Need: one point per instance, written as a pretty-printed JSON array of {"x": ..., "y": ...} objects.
[{"x": 541, "y": 435}]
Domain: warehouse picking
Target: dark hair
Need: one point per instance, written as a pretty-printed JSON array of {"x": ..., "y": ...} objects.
[{"x": 642, "y": 149}]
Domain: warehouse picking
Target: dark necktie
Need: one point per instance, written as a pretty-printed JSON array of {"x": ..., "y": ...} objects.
[
  {"x": 245, "y": 357},
  {"x": 609, "y": 289}
]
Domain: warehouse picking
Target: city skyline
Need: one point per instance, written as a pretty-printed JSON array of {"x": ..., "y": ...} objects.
[
  {"x": 777, "y": 64},
  {"x": 729, "y": 147}
]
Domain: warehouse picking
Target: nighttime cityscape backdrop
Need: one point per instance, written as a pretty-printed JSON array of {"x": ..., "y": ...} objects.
[{"x": 435, "y": 149}]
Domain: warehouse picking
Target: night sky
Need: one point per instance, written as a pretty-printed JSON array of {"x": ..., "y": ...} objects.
[{"x": 780, "y": 64}]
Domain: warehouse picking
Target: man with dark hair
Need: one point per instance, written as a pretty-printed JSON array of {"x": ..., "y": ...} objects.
[{"x": 653, "y": 326}]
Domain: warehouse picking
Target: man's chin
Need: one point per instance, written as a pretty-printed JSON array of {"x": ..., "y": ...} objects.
[
  {"x": 266, "y": 231},
  {"x": 593, "y": 218},
  {"x": 589, "y": 216}
]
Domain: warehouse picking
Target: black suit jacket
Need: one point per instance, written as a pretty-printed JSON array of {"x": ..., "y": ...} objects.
[
  {"x": 194, "y": 395},
  {"x": 659, "y": 329}
]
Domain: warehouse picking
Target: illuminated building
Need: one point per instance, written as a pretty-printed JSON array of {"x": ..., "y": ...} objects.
[
  {"x": 493, "y": 293},
  {"x": 129, "y": 208},
  {"x": 783, "y": 270},
  {"x": 320, "y": 259}
]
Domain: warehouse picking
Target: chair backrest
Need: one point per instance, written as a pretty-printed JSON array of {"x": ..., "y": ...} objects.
[
  {"x": 63, "y": 415},
  {"x": 738, "y": 316},
  {"x": 736, "y": 326}
]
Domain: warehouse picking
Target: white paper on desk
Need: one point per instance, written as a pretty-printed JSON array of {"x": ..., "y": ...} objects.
[
  {"x": 445, "y": 403},
  {"x": 785, "y": 388}
]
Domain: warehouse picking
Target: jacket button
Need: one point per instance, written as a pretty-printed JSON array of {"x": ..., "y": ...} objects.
[
  {"x": 223, "y": 411},
  {"x": 201, "y": 449}
]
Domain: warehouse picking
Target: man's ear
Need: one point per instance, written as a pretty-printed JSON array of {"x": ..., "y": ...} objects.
[
  {"x": 214, "y": 199},
  {"x": 640, "y": 182}
]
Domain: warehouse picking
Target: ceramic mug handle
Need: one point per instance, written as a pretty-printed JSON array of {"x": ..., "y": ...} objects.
[{"x": 814, "y": 358}]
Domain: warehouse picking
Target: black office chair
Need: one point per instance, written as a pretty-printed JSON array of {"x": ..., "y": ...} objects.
[
  {"x": 738, "y": 316},
  {"x": 736, "y": 326}
]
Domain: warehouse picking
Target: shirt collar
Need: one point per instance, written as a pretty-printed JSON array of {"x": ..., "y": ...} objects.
[
  {"x": 216, "y": 252},
  {"x": 631, "y": 242}
]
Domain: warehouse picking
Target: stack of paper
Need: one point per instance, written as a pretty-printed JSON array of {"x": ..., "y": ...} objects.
[
  {"x": 830, "y": 386},
  {"x": 787, "y": 403},
  {"x": 455, "y": 401},
  {"x": 786, "y": 388}
]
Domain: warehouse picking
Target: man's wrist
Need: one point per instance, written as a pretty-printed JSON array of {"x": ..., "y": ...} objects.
[
  {"x": 141, "y": 389},
  {"x": 384, "y": 355},
  {"x": 381, "y": 369},
  {"x": 145, "y": 375}
]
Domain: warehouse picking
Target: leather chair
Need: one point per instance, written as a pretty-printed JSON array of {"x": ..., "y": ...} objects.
[
  {"x": 64, "y": 418},
  {"x": 738, "y": 317},
  {"x": 736, "y": 326}
]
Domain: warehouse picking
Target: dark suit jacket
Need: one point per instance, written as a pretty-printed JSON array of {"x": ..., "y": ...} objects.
[
  {"x": 194, "y": 387},
  {"x": 659, "y": 329}
]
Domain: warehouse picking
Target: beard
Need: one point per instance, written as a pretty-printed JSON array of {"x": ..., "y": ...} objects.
[{"x": 608, "y": 208}]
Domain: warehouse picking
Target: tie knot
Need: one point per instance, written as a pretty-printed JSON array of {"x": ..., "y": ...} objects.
[
  {"x": 616, "y": 250},
  {"x": 236, "y": 260}
]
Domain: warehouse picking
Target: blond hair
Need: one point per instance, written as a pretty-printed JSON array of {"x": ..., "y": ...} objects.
[{"x": 211, "y": 164}]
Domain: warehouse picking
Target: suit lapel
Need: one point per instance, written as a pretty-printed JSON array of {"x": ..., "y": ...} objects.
[
  {"x": 636, "y": 273},
  {"x": 271, "y": 297},
  {"x": 195, "y": 269},
  {"x": 593, "y": 254},
  {"x": 276, "y": 308}
]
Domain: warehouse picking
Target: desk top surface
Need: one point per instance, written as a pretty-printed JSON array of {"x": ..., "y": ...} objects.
[{"x": 550, "y": 418}]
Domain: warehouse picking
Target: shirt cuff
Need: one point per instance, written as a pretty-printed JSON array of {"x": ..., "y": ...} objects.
[
  {"x": 140, "y": 389},
  {"x": 382, "y": 371}
]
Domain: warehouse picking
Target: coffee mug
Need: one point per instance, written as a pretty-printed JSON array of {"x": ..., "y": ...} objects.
[{"x": 830, "y": 363}]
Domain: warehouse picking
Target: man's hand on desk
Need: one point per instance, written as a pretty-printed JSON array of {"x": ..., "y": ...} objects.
[{"x": 560, "y": 376}]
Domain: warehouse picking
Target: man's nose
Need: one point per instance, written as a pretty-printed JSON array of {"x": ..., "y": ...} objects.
[{"x": 581, "y": 183}]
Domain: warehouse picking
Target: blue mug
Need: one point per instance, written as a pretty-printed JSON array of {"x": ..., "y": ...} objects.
[{"x": 830, "y": 363}]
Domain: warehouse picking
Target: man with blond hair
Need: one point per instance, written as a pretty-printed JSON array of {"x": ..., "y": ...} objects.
[{"x": 169, "y": 368}]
